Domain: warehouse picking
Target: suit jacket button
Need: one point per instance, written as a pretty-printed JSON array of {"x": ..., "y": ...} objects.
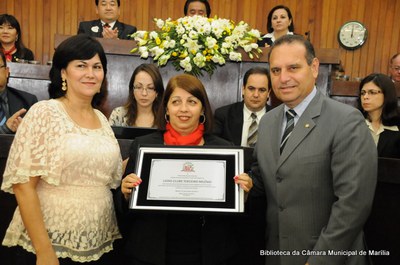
[
  {"x": 281, "y": 208},
  {"x": 278, "y": 179}
]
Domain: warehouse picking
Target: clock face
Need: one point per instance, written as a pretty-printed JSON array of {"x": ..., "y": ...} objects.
[{"x": 352, "y": 35}]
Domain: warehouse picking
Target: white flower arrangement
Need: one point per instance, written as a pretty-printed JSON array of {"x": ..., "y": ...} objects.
[{"x": 197, "y": 43}]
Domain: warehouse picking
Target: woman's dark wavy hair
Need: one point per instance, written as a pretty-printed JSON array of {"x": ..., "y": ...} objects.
[
  {"x": 78, "y": 47},
  {"x": 192, "y": 85},
  {"x": 13, "y": 22},
  {"x": 269, "y": 23},
  {"x": 390, "y": 111},
  {"x": 131, "y": 104}
]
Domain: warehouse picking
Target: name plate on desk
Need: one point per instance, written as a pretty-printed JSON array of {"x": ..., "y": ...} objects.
[{"x": 189, "y": 179}]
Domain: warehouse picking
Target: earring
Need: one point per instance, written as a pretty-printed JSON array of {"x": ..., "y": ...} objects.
[
  {"x": 16, "y": 38},
  {"x": 166, "y": 117},
  {"x": 64, "y": 85},
  {"x": 204, "y": 118}
]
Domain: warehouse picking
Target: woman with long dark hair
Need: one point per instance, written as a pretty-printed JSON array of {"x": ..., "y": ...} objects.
[
  {"x": 378, "y": 103},
  {"x": 11, "y": 40},
  {"x": 146, "y": 89}
]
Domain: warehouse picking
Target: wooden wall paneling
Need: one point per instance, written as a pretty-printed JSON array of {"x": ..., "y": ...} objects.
[
  {"x": 355, "y": 9},
  {"x": 74, "y": 17},
  {"x": 364, "y": 50},
  {"x": 394, "y": 46},
  {"x": 374, "y": 27},
  {"x": 38, "y": 22},
  {"x": 156, "y": 10},
  {"x": 388, "y": 20},
  {"x": 325, "y": 20},
  {"x": 333, "y": 16},
  {"x": 303, "y": 15},
  {"x": 46, "y": 40},
  {"x": 68, "y": 10},
  {"x": 380, "y": 36},
  {"x": 60, "y": 16},
  {"x": 245, "y": 13},
  {"x": 317, "y": 27},
  {"x": 261, "y": 24},
  {"x": 31, "y": 26},
  {"x": 3, "y": 6}
]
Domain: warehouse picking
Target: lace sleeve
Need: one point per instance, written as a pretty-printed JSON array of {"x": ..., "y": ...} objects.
[
  {"x": 35, "y": 150},
  {"x": 117, "y": 117},
  {"x": 117, "y": 173}
]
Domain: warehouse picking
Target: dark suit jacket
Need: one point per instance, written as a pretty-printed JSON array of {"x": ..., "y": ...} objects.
[
  {"x": 145, "y": 234},
  {"x": 389, "y": 144},
  {"x": 265, "y": 42},
  {"x": 87, "y": 27},
  {"x": 320, "y": 189},
  {"x": 18, "y": 99},
  {"x": 228, "y": 122},
  {"x": 24, "y": 54}
]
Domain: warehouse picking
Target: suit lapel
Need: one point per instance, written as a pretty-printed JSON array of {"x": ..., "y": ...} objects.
[
  {"x": 120, "y": 29},
  {"x": 15, "y": 102},
  {"x": 97, "y": 23},
  {"x": 384, "y": 138},
  {"x": 303, "y": 127},
  {"x": 236, "y": 127}
]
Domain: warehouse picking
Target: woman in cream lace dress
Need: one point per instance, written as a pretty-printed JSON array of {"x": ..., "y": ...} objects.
[{"x": 62, "y": 164}]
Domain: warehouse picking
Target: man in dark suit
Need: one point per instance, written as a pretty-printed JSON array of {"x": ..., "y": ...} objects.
[
  {"x": 13, "y": 103},
  {"x": 317, "y": 167},
  {"x": 107, "y": 26},
  {"x": 232, "y": 122}
]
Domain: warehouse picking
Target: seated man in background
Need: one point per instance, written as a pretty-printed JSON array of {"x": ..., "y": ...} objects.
[
  {"x": 197, "y": 7},
  {"x": 107, "y": 26},
  {"x": 394, "y": 68},
  {"x": 238, "y": 122},
  {"x": 13, "y": 103}
]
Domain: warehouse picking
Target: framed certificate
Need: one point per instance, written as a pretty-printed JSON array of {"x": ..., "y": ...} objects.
[{"x": 189, "y": 179}]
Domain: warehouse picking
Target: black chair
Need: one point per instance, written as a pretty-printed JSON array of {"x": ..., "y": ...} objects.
[
  {"x": 7, "y": 200},
  {"x": 382, "y": 230}
]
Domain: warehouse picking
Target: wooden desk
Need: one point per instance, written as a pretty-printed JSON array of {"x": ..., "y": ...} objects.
[
  {"x": 223, "y": 88},
  {"x": 348, "y": 91}
]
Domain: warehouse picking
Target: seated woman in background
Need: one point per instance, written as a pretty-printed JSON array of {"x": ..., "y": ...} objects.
[
  {"x": 11, "y": 40},
  {"x": 378, "y": 103},
  {"x": 146, "y": 89},
  {"x": 279, "y": 23},
  {"x": 171, "y": 238},
  {"x": 62, "y": 164}
]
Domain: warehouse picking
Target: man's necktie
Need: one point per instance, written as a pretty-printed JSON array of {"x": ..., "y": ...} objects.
[
  {"x": 2, "y": 113},
  {"x": 290, "y": 114},
  {"x": 106, "y": 25},
  {"x": 252, "y": 136}
]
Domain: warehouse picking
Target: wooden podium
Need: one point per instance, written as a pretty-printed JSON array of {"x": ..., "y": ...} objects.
[{"x": 223, "y": 87}]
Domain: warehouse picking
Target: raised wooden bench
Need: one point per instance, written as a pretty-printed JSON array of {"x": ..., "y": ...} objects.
[{"x": 348, "y": 91}]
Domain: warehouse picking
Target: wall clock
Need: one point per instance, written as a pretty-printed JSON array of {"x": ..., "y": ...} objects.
[{"x": 352, "y": 35}]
